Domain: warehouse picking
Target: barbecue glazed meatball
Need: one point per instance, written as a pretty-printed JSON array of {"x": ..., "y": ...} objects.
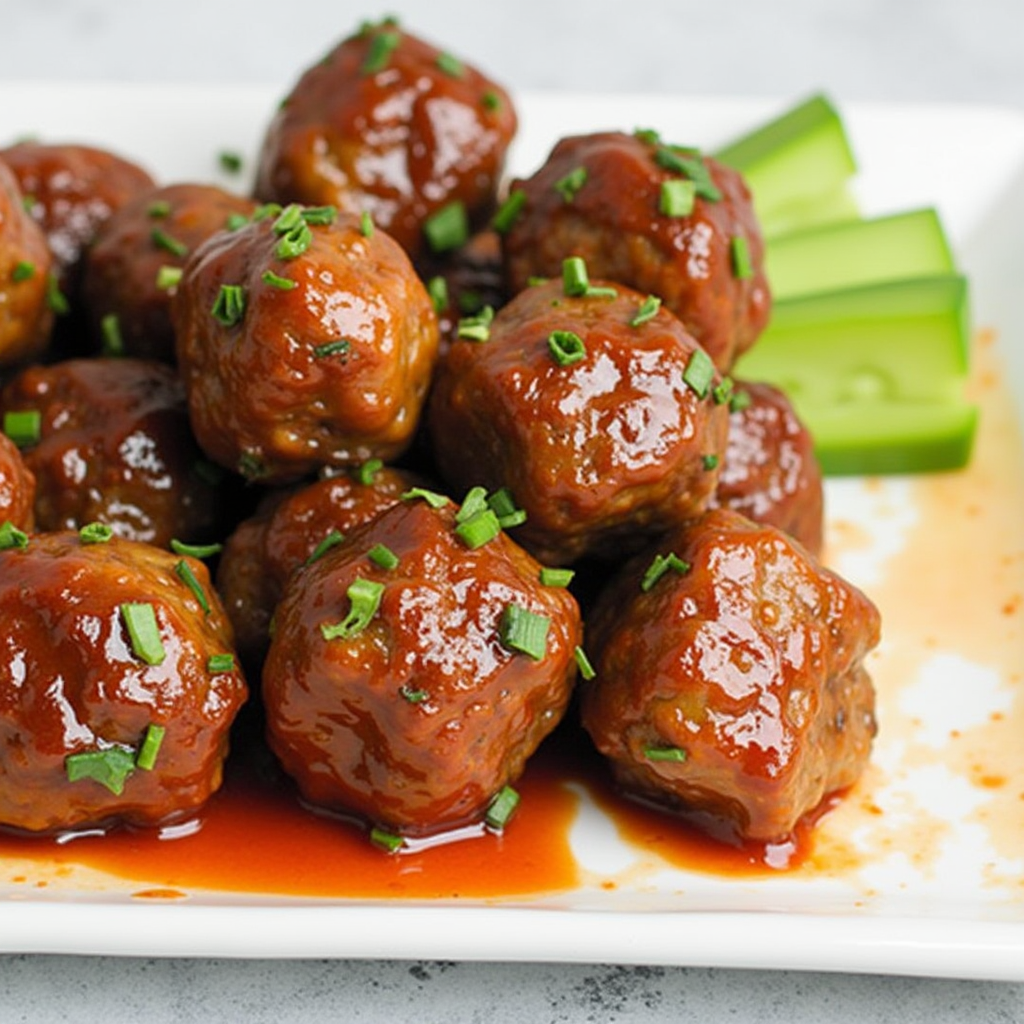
[
  {"x": 115, "y": 447},
  {"x": 288, "y": 527},
  {"x": 388, "y": 124},
  {"x": 600, "y": 197},
  {"x": 600, "y": 452},
  {"x": 25, "y": 264},
  {"x": 414, "y": 719},
  {"x": 302, "y": 345},
  {"x": 79, "y": 694},
  {"x": 731, "y": 686},
  {"x": 17, "y": 487},
  {"x": 70, "y": 191},
  {"x": 770, "y": 472},
  {"x": 153, "y": 231}
]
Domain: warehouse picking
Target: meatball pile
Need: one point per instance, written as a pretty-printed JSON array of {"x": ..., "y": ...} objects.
[{"x": 426, "y": 462}]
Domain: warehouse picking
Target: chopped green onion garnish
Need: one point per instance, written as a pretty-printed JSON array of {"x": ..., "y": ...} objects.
[
  {"x": 168, "y": 277},
  {"x": 742, "y": 264},
  {"x": 277, "y": 281},
  {"x": 451, "y": 65},
  {"x": 295, "y": 242},
  {"x": 381, "y": 555},
  {"x": 648, "y": 311},
  {"x": 332, "y": 348},
  {"x": 162, "y": 240},
  {"x": 554, "y": 577},
  {"x": 524, "y": 631},
  {"x": 196, "y": 550},
  {"x": 676, "y": 754},
  {"x": 437, "y": 289},
  {"x": 491, "y": 100},
  {"x": 648, "y": 136},
  {"x": 660, "y": 565},
  {"x": 364, "y": 596},
  {"x": 366, "y": 224},
  {"x": 95, "y": 533},
  {"x": 367, "y": 472},
  {"x": 150, "y": 747},
  {"x": 476, "y": 328},
  {"x": 690, "y": 165},
  {"x": 583, "y": 664},
  {"x": 722, "y": 391},
  {"x": 566, "y": 347},
  {"x": 320, "y": 215},
  {"x": 474, "y": 502},
  {"x": 220, "y": 663},
  {"x": 250, "y": 465},
  {"x": 140, "y": 621},
  {"x": 509, "y": 210},
  {"x": 575, "y": 279},
  {"x": 229, "y": 307},
  {"x": 568, "y": 186},
  {"x": 23, "y": 426},
  {"x": 740, "y": 400},
  {"x": 110, "y": 329},
  {"x": 288, "y": 219},
  {"x": 699, "y": 372},
  {"x": 235, "y": 221},
  {"x": 22, "y": 271},
  {"x": 504, "y": 507},
  {"x": 266, "y": 211},
  {"x": 56, "y": 300},
  {"x": 109, "y": 767},
  {"x": 230, "y": 162},
  {"x": 332, "y": 539},
  {"x": 432, "y": 498},
  {"x": 11, "y": 537},
  {"x": 448, "y": 227},
  {"x": 502, "y": 807},
  {"x": 188, "y": 577},
  {"x": 159, "y": 208},
  {"x": 677, "y": 197},
  {"x": 381, "y": 47},
  {"x": 387, "y": 841},
  {"x": 478, "y": 529},
  {"x": 412, "y": 694},
  {"x": 709, "y": 461}
]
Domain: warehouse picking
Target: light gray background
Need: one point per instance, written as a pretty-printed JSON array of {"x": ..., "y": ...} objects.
[{"x": 969, "y": 51}]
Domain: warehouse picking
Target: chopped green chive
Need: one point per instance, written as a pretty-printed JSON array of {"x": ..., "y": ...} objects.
[
  {"x": 158, "y": 208},
  {"x": 576, "y": 280},
  {"x": 217, "y": 663},
  {"x": 95, "y": 533},
  {"x": 566, "y": 347},
  {"x": 332, "y": 348},
  {"x": 648, "y": 311},
  {"x": 56, "y": 300},
  {"x": 109, "y": 767},
  {"x": 366, "y": 224},
  {"x": 288, "y": 219},
  {"x": 478, "y": 529},
  {"x": 509, "y": 211},
  {"x": 660, "y": 565},
  {"x": 432, "y": 498},
  {"x": 437, "y": 289},
  {"x": 586, "y": 669},
  {"x": 504, "y": 507},
  {"x": 22, "y": 271},
  {"x": 230, "y": 161},
  {"x": 266, "y": 211},
  {"x": 150, "y": 747},
  {"x": 569, "y": 185},
  {"x": 382, "y": 45},
  {"x": 235, "y": 221},
  {"x": 448, "y": 227},
  {"x": 188, "y": 577},
  {"x": 366, "y": 474},
  {"x": 742, "y": 263},
  {"x": 250, "y": 465},
  {"x": 450, "y": 65},
  {"x": 11, "y": 537},
  {"x": 110, "y": 330},
  {"x": 699, "y": 372},
  {"x": 491, "y": 100},
  {"x": 332, "y": 539},
  {"x": 709, "y": 461},
  {"x": 739, "y": 401},
  {"x": 476, "y": 328},
  {"x": 277, "y": 281},
  {"x": 164, "y": 241},
  {"x": 140, "y": 621},
  {"x": 722, "y": 392},
  {"x": 387, "y": 841},
  {"x": 413, "y": 694},
  {"x": 318, "y": 216},
  {"x": 502, "y": 807},
  {"x": 229, "y": 308},
  {"x": 554, "y": 577},
  {"x": 648, "y": 136},
  {"x": 677, "y": 197},
  {"x": 196, "y": 550},
  {"x": 168, "y": 277},
  {"x": 364, "y": 597},
  {"x": 524, "y": 631},
  {"x": 474, "y": 502},
  {"x": 383, "y": 557},
  {"x": 674, "y": 754},
  {"x": 295, "y": 242},
  {"x": 688, "y": 163},
  {"x": 23, "y": 426}
]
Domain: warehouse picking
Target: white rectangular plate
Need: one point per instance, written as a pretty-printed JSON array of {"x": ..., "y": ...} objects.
[{"x": 921, "y": 869}]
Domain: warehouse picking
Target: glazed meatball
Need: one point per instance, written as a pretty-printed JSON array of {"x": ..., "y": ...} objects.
[
  {"x": 620, "y": 202},
  {"x": 288, "y": 527},
  {"x": 25, "y": 265},
  {"x": 388, "y": 124},
  {"x": 114, "y": 446},
  {"x": 124, "y": 290},
  {"x": 71, "y": 190},
  {"x": 304, "y": 342},
  {"x": 730, "y": 678},
  {"x": 17, "y": 487},
  {"x": 770, "y": 472},
  {"x": 599, "y": 412},
  {"x": 117, "y": 685},
  {"x": 412, "y": 711}
]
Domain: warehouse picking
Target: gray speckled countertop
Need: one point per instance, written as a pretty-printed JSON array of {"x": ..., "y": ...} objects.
[{"x": 892, "y": 50}]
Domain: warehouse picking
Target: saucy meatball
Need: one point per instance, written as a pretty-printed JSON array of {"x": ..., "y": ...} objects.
[
  {"x": 660, "y": 218},
  {"x": 388, "y": 124},
  {"x": 17, "y": 487},
  {"x": 117, "y": 684},
  {"x": 770, "y": 472},
  {"x": 286, "y": 530},
  {"x": 70, "y": 191},
  {"x": 411, "y": 674},
  {"x": 730, "y": 680},
  {"x": 598, "y": 411},
  {"x": 25, "y": 265},
  {"x": 113, "y": 445},
  {"x": 305, "y": 341},
  {"x": 126, "y": 289}
]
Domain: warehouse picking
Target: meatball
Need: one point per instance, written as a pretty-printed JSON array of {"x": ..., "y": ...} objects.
[
  {"x": 659, "y": 218},
  {"x": 117, "y": 684},
  {"x": 304, "y": 342},
  {"x": 599, "y": 412},
  {"x": 770, "y": 472},
  {"x": 26, "y": 316},
  {"x": 17, "y": 487},
  {"x": 124, "y": 291},
  {"x": 388, "y": 124},
  {"x": 730, "y": 680},
  {"x": 70, "y": 191},
  {"x": 401, "y": 686},
  {"x": 288, "y": 527},
  {"x": 114, "y": 446}
]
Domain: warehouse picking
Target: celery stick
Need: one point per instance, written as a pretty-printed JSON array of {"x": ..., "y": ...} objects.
[{"x": 908, "y": 244}]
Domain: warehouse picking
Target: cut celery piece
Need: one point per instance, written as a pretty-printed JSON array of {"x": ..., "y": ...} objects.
[
  {"x": 797, "y": 165},
  {"x": 877, "y": 438},
  {"x": 911, "y": 243}
]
